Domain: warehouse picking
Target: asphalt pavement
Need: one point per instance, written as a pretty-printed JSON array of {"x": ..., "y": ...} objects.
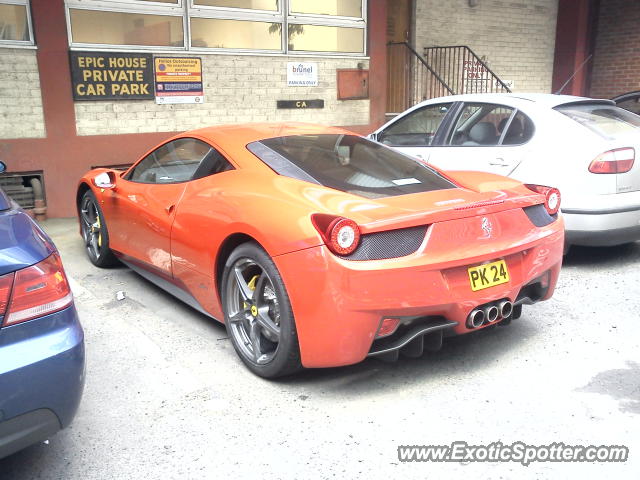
[{"x": 167, "y": 398}]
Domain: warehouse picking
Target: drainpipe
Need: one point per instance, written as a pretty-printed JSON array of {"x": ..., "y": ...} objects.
[{"x": 39, "y": 209}]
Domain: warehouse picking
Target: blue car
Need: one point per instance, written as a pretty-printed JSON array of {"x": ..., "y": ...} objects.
[{"x": 41, "y": 340}]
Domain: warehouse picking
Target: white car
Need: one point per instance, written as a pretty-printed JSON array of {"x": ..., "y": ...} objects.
[{"x": 583, "y": 146}]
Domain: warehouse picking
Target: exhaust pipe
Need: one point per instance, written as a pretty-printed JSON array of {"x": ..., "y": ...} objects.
[
  {"x": 475, "y": 318},
  {"x": 491, "y": 313},
  {"x": 506, "y": 308}
]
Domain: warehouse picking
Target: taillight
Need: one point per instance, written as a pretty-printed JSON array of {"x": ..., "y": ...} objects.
[
  {"x": 38, "y": 290},
  {"x": 387, "y": 327},
  {"x": 619, "y": 160},
  {"x": 552, "y": 197},
  {"x": 6, "y": 282},
  {"x": 340, "y": 234}
]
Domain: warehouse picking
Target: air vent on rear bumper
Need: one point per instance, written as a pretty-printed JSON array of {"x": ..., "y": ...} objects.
[
  {"x": 388, "y": 244},
  {"x": 539, "y": 216}
]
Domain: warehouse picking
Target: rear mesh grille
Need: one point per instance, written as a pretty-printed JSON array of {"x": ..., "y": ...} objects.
[
  {"x": 539, "y": 215},
  {"x": 388, "y": 244}
]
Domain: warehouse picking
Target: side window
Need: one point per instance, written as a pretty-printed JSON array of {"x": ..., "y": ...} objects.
[
  {"x": 480, "y": 124},
  {"x": 518, "y": 131},
  {"x": 177, "y": 161},
  {"x": 213, "y": 163},
  {"x": 416, "y": 129}
]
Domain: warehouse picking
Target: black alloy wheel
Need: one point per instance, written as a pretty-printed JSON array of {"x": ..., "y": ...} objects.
[
  {"x": 258, "y": 314},
  {"x": 94, "y": 232}
]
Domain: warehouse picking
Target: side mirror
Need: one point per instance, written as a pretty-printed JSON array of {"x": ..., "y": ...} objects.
[
  {"x": 105, "y": 180},
  {"x": 3, "y": 167},
  {"x": 373, "y": 136}
]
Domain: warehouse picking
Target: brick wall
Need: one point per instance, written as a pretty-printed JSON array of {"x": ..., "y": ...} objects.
[
  {"x": 237, "y": 89},
  {"x": 616, "y": 59},
  {"x": 20, "y": 100},
  {"x": 517, "y": 38}
]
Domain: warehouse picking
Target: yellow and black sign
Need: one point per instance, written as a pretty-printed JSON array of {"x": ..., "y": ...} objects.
[{"x": 111, "y": 76}]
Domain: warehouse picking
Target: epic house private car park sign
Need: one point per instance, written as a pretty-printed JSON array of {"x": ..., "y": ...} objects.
[{"x": 111, "y": 76}]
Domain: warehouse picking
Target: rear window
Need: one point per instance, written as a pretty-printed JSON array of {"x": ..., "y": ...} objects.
[
  {"x": 606, "y": 120},
  {"x": 632, "y": 104},
  {"x": 348, "y": 163}
]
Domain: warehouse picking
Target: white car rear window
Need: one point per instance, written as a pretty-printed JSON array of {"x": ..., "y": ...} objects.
[{"x": 608, "y": 121}]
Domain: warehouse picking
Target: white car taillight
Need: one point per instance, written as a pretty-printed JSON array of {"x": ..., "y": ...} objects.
[
  {"x": 619, "y": 160},
  {"x": 38, "y": 290},
  {"x": 552, "y": 197},
  {"x": 340, "y": 234}
]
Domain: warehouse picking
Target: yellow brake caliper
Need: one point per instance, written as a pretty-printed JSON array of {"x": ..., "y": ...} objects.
[
  {"x": 99, "y": 231},
  {"x": 252, "y": 285}
]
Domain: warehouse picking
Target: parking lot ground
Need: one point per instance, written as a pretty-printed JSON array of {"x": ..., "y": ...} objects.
[{"x": 166, "y": 396}]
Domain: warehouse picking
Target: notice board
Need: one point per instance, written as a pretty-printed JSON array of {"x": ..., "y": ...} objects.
[{"x": 178, "y": 80}]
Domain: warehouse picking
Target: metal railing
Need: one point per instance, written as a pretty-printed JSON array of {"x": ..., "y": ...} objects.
[
  {"x": 442, "y": 71},
  {"x": 410, "y": 78},
  {"x": 463, "y": 70}
]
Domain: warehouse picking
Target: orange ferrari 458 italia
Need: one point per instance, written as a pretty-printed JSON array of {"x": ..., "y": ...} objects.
[{"x": 317, "y": 247}]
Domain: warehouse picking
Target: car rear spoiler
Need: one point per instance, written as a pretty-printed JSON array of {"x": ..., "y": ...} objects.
[{"x": 588, "y": 101}]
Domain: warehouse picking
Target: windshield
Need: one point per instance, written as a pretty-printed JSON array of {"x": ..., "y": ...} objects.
[
  {"x": 606, "y": 120},
  {"x": 348, "y": 163}
]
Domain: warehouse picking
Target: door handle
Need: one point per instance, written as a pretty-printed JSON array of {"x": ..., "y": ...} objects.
[
  {"x": 499, "y": 161},
  {"x": 170, "y": 209}
]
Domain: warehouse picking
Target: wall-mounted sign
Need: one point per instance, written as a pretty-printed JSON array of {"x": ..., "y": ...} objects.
[
  {"x": 302, "y": 74},
  {"x": 178, "y": 80},
  {"x": 111, "y": 76},
  {"x": 509, "y": 83},
  {"x": 474, "y": 69},
  {"x": 316, "y": 103}
]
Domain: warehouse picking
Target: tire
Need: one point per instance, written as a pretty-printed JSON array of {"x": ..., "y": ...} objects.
[
  {"x": 94, "y": 232},
  {"x": 258, "y": 314}
]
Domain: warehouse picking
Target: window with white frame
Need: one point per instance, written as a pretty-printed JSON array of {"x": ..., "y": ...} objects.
[
  {"x": 260, "y": 26},
  {"x": 15, "y": 23}
]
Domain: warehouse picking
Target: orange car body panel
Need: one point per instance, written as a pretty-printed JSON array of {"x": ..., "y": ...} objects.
[{"x": 177, "y": 230}]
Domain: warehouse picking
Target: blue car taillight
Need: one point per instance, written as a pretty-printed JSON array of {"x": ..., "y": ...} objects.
[
  {"x": 6, "y": 282},
  {"x": 38, "y": 290}
]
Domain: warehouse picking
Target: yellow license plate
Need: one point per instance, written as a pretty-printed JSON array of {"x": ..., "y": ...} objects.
[{"x": 488, "y": 275}]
